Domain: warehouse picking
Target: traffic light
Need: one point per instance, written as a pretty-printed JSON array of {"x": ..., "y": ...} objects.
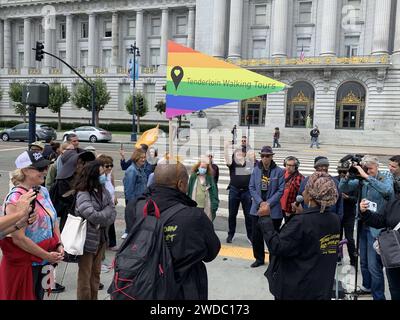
[{"x": 39, "y": 51}]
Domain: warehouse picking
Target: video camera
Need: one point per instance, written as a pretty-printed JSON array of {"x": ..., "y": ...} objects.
[{"x": 348, "y": 164}]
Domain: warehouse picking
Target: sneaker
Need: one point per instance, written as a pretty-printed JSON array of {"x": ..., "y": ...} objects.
[
  {"x": 124, "y": 236},
  {"x": 115, "y": 248},
  {"x": 229, "y": 239},
  {"x": 105, "y": 268}
]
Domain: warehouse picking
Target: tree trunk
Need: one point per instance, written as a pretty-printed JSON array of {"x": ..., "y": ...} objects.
[
  {"x": 97, "y": 118},
  {"x": 24, "y": 117},
  {"x": 138, "y": 124},
  {"x": 59, "y": 120}
]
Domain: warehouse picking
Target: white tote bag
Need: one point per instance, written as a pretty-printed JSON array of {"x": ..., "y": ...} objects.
[{"x": 73, "y": 235}]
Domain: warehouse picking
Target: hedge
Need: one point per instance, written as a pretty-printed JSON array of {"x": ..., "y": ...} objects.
[{"x": 113, "y": 127}]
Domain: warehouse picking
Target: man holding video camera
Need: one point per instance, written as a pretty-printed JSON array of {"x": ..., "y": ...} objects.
[{"x": 377, "y": 187}]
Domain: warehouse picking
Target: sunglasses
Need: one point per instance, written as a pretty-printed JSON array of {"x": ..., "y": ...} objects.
[
  {"x": 107, "y": 166},
  {"x": 266, "y": 155}
]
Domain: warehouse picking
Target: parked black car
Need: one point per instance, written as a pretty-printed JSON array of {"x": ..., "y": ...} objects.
[{"x": 21, "y": 132}]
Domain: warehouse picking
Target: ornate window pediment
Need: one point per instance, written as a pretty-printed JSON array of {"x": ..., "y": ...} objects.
[
  {"x": 351, "y": 98},
  {"x": 300, "y": 98}
]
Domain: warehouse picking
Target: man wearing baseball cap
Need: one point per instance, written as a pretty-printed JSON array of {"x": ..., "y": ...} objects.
[{"x": 266, "y": 186}]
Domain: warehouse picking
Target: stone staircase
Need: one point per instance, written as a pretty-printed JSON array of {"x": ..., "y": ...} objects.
[{"x": 331, "y": 137}]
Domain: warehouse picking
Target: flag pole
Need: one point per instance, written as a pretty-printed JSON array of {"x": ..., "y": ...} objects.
[{"x": 171, "y": 140}]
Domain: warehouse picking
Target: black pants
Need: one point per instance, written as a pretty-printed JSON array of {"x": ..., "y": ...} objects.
[
  {"x": 37, "y": 282},
  {"x": 112, "y": 238},
  {"x": 258, "y": 238},
  {"x": 237, "y": 197},
  {"x": 393, "y": 276},
  {"x": 349, "y": 216}
]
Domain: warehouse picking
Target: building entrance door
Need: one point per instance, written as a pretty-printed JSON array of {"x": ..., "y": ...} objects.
[
  {"x": 299, "y": 115},
  {"x": 350, "y": 117},
  {"x": 253, "y": 112}
]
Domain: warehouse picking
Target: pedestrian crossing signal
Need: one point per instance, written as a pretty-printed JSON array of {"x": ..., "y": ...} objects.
[{"x": 39, "y": 51}]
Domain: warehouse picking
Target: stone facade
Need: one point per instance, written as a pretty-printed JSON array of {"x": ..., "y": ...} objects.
[{"x": 340, "y": 56}]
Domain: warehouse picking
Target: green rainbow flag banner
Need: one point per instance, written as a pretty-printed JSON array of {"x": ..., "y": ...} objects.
[{"x": 196, "y": 81}]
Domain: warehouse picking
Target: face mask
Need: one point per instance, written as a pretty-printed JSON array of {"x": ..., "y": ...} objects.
[
  {"x": 202, "y": 171},
  {"x": 103, "y": 179}
]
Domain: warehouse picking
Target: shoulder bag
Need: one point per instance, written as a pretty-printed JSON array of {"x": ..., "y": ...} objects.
[{"x": 389, "y": 247}]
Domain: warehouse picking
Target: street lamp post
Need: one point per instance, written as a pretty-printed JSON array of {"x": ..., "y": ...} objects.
[{"x": 136, "y": 53}]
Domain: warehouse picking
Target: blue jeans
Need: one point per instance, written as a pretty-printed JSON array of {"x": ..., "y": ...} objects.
[
  {"x": 237, "y": 197},
  {"x": 276, "y": 143},
  {"x": 314, "y": 140},
  {"x": 371, "y": 265}
]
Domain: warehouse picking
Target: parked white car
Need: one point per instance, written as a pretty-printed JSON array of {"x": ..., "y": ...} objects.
[{"x": 91, "y": 134}]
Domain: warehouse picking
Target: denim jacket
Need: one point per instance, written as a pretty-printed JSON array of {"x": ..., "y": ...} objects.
[
  {"x": 377, "y": 189},
  {"x": 274, "y": 193},
  {"x": 135, "y": 182}
]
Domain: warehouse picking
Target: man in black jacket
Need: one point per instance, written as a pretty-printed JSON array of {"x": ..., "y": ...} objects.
[{"x": 189, "y": 233}]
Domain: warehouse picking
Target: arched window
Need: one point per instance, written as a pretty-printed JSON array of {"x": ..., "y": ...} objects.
[
  {"x": 350, "y": 106},
  {"x": 300, "y": 105}
]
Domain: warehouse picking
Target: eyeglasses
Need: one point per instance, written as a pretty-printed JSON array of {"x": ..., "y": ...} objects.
[
  {"x": 266, "y": 155},
  {"x": 107, "y": 166}
]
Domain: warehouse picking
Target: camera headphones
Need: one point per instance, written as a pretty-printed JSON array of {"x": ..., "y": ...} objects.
[{"x": 296, "y": 161}]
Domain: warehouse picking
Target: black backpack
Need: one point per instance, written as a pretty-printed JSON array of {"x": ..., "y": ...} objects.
[{"x": 143, "y": 265}]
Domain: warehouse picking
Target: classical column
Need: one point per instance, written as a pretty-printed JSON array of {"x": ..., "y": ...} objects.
[
  {"x": 93, "y": 50},
  {"x": 279, "y": 28},
  {"x": 329, "y": 25},
  {"x": 191, "y": 27},
  {"x": 235, "y": 29},
  {"x": 7, "y": 44},
  {"x": 380, "y": 44},
  {"x": 115, "y": 42},
  {"x": 27, "y": 44},
  {"x": 1, "y": 44},
  {"x": 48, "y": 46},
  {"x": 164, "y": 37},
  {"x": 69, "y": 41},
  {"x": 396, "y": 49},
  {"x": 219, "y": 31},
  {"x": 139, "y": 36}
]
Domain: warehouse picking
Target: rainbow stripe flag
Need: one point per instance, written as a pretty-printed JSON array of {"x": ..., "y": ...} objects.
[{"x": 196, "y": 81}]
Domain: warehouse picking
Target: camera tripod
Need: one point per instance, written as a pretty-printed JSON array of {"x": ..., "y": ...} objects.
[{"x": 359, "y": 226}]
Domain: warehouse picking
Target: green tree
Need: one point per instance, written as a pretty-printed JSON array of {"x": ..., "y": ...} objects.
[
  {"x": 83, "y": 95},
  {"x": 15, "y": 95},
  {"x": 161, "y": 106},
  {"x": 141, "y": 107},
  {"x": 58, "y": 96}
]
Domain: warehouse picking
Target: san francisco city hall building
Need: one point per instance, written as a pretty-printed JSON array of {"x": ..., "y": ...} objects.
[{"x": 340, "y": 57}]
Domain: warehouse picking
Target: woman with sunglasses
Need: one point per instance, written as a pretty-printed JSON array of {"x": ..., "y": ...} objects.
[
  {"x": 108, "y": 165},
  {"x": 31, "y": 249}
]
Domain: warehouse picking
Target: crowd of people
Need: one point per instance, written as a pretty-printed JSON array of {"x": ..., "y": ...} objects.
[{"x": 301, "y": 234}]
